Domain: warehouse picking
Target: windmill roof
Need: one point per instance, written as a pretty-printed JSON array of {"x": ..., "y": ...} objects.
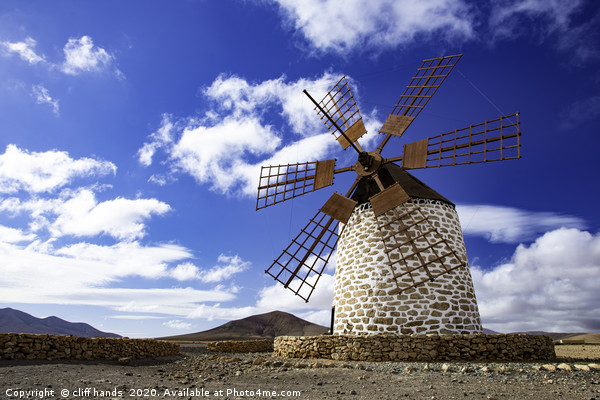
[{"x": 391, "y": 173}]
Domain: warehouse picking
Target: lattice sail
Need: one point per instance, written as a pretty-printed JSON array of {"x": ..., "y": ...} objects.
[
  {"x": 493, "y": 140},
  {"x": 301, "y": 264},
  {"x": 283, "y": 182},
  {"x": 340, "y": 105},
  {"x": 416, "y": 251},
  {"x": 421, "y": 88}
]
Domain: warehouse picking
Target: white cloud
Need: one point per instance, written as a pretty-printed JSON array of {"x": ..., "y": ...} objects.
[
  {"x": 38, "y": 172},
  {"x": 227, "y": 267},
  {"x": 551, "y": 285},
  {"x": 392, "y": 24},
  {"x": 505, "y": 17},
  {"x": 580, "y": 112},
  {"x": 211, "y": 154},
  {"x": 510, "y": 225},
  {"x": 12, "y": 235},
  {"x": 226, "y": 148},
  {"x": 215, "y": 311},
  {"x": 82, "y": 56},
  {"x": 89, "y": 274},
  {"x": 276, "y": 297},
  {"x": 159, "y": 139},
  {"x": 185, "y": 272},
  {"x": 240, "y": 98},
  {"x": 134, "y": 317},
  {"x": 378, "y": 24},
  {"x": 40, "y": 267},
  {"x": 42, "y": 96},
  {"x": 120, "y": 218},
  {"x": 24, "y": 49},
  {"x": 177, "y": 324},
  {"x": 543, "y": 20}
]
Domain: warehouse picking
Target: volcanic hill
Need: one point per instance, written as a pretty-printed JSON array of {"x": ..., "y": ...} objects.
[
  {"x": 15, "y": 321},
  {"x": 261, "y": 326}
]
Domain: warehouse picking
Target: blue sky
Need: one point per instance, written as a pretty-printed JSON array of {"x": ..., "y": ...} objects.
[{"x": 132, "y": 135}]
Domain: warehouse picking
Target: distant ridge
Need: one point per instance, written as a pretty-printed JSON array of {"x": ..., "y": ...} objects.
[
  {"x": 261, "y": 326},
  {"x": 15, "y": 321}
]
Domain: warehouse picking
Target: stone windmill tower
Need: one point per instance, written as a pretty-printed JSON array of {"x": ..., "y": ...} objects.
[{"x": 401, "y": 261}]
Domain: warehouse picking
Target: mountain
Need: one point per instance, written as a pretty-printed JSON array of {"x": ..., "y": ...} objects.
[
  {"x": 15, "y": 321},
  {"x": 262, "y": 326},
  {"x": 489, "y": 331}
]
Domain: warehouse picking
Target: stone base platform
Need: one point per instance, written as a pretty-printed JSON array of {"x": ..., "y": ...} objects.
[{"x": 432, "y": 347}]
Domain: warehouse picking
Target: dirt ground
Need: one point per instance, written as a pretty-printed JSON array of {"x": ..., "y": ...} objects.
[
  {"x": 578, "y": 351},
  {"x": 198, "y": 374}
]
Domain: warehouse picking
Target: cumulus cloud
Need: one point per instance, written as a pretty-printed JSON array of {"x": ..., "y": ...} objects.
[
  {"x": 185, "y": 272},
  {"x": 42, "y": 264},
  {"x": 177, "y": 324},
  {"x": 550, "y": 285},
  {"x": 380, "y": 25},
  {"x": 38, "y": 172},
  {"x": 226, "y": 147},
  {"x": 501, "y": 224},
  {"x": 82, "y": 215},
  {"x": 81, "y": 55},
  {"x": 90, "y": 274},
  {"x": 24, "y": 49},
  {"x": 386, "y": 24},
  {"x": 159, "y": 139},
  {"x": 42, "y": 96},
  {"x": 12, "y": 235},
  {"x": 225, "y": 269}
]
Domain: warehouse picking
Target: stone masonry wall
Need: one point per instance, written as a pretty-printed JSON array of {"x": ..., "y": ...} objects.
[
  {"x": 365, "y": 293},
  {"x": 56, "y": 347},
  {"x": 389, "y": 347}
]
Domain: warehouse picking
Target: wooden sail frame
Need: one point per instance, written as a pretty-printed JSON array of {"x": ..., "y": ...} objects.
[
  {"x": 423, "y": 85},
  {"x": 279, "y": 183},
  {"x": 301, "y": 264},
  {"x": 340, "y": 105},
  {"x": 414, "y": 247}
]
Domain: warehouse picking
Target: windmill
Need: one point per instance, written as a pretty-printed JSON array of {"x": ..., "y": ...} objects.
[{"x": 401, "y": 263}]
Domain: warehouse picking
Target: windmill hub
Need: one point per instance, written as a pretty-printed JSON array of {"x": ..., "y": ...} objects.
[{"x": 368, "y": 163}]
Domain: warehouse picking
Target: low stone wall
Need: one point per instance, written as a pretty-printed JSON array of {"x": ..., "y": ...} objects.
[
  {"x": 474, "y": 347},
  {"x": 55, "y": 347},
  {"x": 241, "y": 346}
]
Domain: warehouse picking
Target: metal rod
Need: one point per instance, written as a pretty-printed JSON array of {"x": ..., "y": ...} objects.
[{"x": 332, "y": 121}]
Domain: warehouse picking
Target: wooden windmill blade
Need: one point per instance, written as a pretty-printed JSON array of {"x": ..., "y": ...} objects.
[
  {"x": 301, "y": 264},
  {"x": 423, "y": 85},
  {"x": 416, "y": 251},
  {"x": 339, "y": 112},
  {"x": 283, "y": 182},
  {"x": 493, "y": 140}
]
